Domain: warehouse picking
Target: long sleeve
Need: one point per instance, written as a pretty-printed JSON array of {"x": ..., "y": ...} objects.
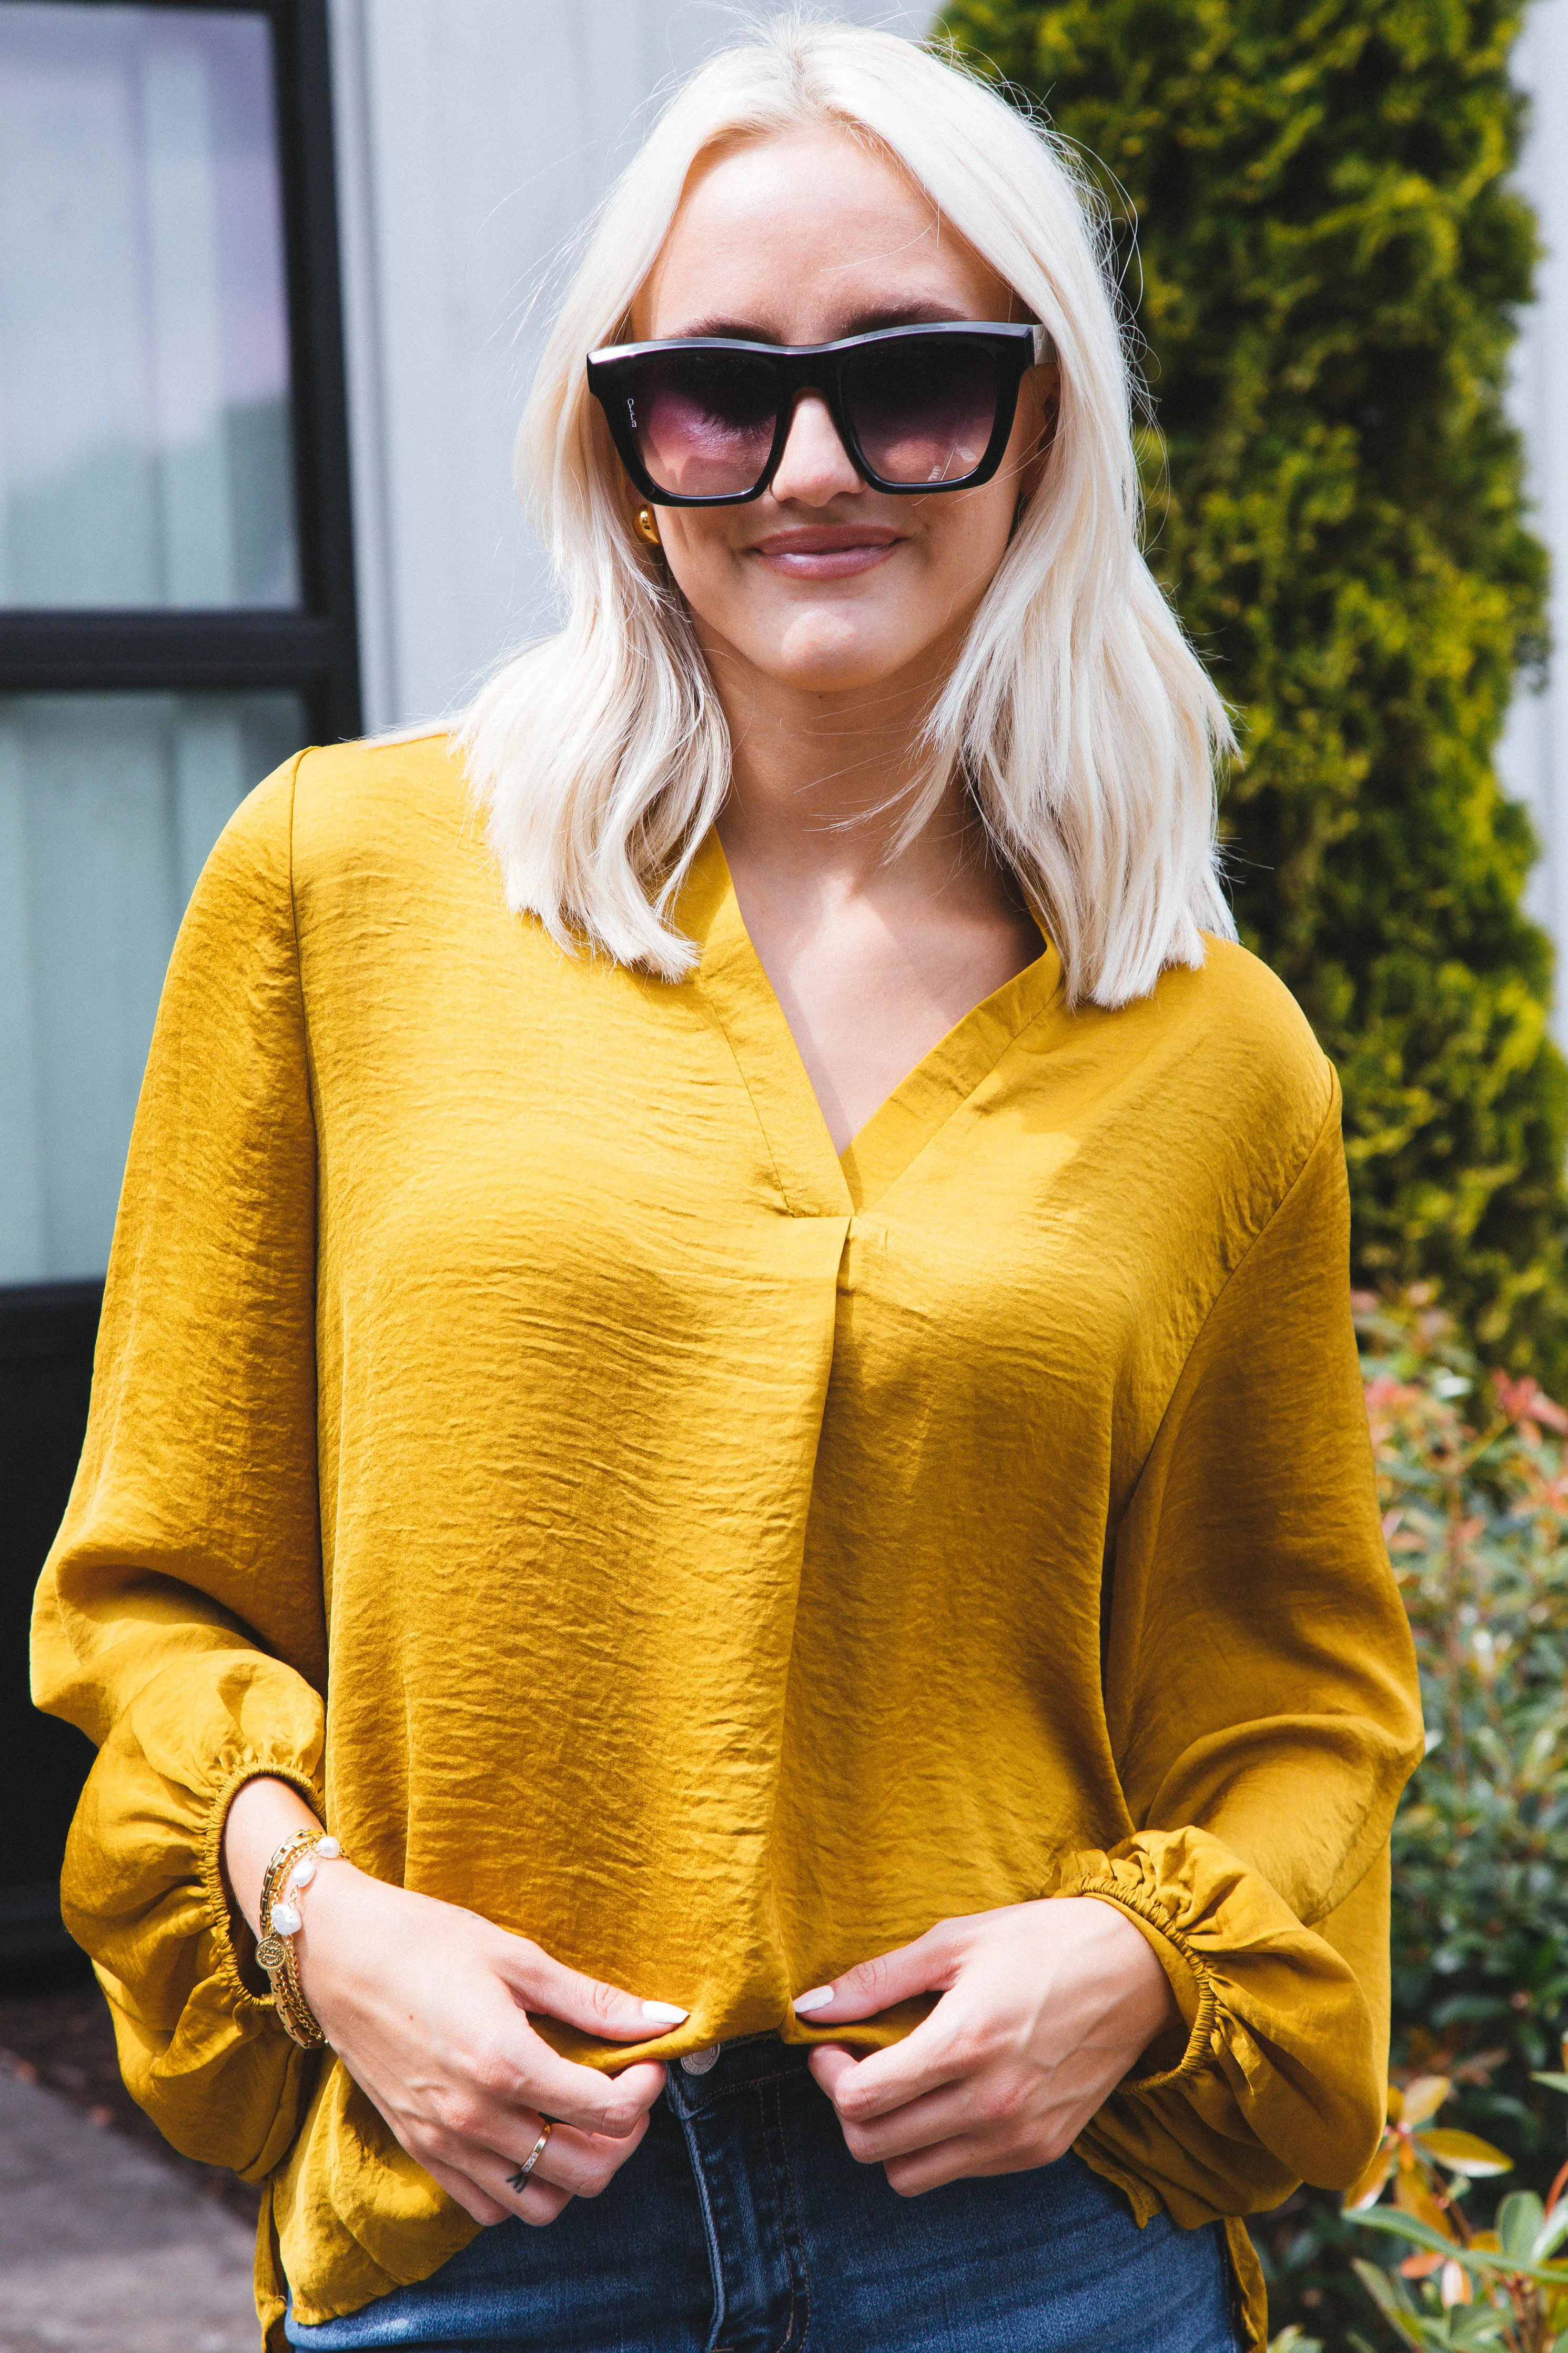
[
  {"x": 1262, "y": 1706},
  {"x": 179, "y": 1620}
]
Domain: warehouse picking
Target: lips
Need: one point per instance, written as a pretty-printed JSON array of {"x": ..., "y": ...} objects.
[{"x": 825, "y": 551}]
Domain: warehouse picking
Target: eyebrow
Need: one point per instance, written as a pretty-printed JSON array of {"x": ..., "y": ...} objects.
[{"x": 919, "y": 313}]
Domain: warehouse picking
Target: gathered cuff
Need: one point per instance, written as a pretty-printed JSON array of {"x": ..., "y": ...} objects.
[
  {"x": 1196, "y": 1994},
  {"x": 1280, "y": 2048},
  {"x": 143, "y": 1892},
  {"x": 233, "y": 1945}
]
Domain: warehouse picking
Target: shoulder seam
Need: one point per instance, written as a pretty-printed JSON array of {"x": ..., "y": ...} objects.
[{"x": 1303, "y": 1165}]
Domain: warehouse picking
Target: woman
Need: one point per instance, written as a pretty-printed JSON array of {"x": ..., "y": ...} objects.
[{"x": 742, "y": 1376}]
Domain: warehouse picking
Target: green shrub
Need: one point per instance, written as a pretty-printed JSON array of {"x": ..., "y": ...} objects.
[
  {"x": 1475, "y": 1494},
  {"x": 1329, "y": 257},
  {"x": 1473, "y": 1481},
  {"x": 1464, "y": 2280}
]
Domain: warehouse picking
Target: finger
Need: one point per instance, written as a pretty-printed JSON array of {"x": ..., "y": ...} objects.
[
  {"x": 505, "y": 2073},
  {"x": 614, "y": 2104},
  {"x": 581, "y": 2163},
  {"x": 928, "y": 1966},
  {"x": 919, "y": 2124},
  {"x": 874, "y": 2128},
  {"x": 949, "y": 2160},
  {"x": 537, "y": 2203},
  {"x": 492, "y": 2187},
  {"x": 830, "y": 2064},
  {"x": 547, "y": 1986},
  {"x": 470, "y": 2194},
  {"x": 478, "y": 2177},
  {"x": 933, "y": 2055}
]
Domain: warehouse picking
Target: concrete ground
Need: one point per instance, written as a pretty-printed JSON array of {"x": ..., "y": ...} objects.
[{"x": 105, "y": 2249}]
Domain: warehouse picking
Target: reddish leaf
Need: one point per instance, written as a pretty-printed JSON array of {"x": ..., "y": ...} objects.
[
  {"x": 1464, "y": 2152},
  {"x": 1369, "y": 2188},
  {"x": 1423, "y": 2097}
]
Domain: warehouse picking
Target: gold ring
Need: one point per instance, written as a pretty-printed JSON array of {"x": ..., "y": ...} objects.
[{"x": 519, "y": 2180}]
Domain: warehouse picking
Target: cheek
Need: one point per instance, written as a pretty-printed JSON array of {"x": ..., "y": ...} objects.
[
  {"x": 965, "y": 548},
  {"x": 709, "y": 573}
]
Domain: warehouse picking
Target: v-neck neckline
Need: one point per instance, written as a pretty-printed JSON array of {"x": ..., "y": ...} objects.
[{"x": 816, "y": 1181}]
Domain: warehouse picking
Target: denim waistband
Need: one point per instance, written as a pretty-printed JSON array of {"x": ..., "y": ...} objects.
[
  {"x": 730, "y": 2067},
  {"x": 741, "y": 2221}
]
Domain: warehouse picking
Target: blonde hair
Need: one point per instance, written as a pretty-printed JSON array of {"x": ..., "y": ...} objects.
[{"x": 1081, "y": 720}]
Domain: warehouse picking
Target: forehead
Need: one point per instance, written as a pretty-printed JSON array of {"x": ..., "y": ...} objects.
[{"x": 797, "y": 236}]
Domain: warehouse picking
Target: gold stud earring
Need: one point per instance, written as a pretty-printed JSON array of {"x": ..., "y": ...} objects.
[{"x": 648, "y": 525}]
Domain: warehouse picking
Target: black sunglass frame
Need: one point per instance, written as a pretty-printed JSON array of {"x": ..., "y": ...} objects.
[{"x": 819, "y": 368}]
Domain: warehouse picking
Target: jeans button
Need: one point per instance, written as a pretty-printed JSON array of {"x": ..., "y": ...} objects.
[{"x": 697, "y": 2063}]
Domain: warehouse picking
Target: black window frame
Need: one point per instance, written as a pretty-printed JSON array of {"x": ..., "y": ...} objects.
[
  {"x": 48, "y": 1330},
  {"x": 313, "y": 647}
]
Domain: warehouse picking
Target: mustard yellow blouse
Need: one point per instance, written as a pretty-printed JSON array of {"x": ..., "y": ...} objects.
[{"x": 714, "y": 1558}]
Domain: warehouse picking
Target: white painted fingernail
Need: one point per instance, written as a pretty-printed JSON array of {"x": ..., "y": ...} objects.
[
  {"x": 817, "y": 1999},
  {"x": 665, "y": 2013}
]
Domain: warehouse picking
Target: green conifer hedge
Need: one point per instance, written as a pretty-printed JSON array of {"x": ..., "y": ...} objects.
[{"x": 1328, "y": 259}]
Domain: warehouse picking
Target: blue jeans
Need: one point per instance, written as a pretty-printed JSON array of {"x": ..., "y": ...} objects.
[{"x": 743, "y": 2225}]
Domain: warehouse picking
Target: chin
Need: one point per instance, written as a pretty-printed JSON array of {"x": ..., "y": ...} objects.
[{"x": 835, "y": 662}]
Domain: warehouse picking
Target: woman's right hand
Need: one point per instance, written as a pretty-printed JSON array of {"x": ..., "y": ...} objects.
[{"x": 425, "y": 2005}]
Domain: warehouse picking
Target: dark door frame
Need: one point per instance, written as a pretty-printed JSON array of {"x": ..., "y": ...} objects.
[{"x": 48, "y": 1330}]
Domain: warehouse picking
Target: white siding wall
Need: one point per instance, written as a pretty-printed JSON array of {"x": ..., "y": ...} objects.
[
  {"x": 1535, "y": 749},
  {"x": 473, "y": 135}
]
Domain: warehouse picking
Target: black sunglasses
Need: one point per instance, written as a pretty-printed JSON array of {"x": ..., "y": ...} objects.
[{"x": 701, "y": 421}]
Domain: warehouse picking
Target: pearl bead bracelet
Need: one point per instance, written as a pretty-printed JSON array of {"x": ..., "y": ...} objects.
[
  {"x": 285, "y": 1915},
  {"x": 289, "y": 1872}
]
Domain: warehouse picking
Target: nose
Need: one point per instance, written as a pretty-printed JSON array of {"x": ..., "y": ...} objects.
[{"x": 816, "y": 465}]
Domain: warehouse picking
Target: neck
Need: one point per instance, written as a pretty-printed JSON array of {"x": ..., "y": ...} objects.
[{"x": 821, "y": 784}]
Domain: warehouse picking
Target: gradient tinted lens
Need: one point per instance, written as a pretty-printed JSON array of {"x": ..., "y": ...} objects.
[
  {"x": 922, "y": 412},
  {"x": 704, "y": 421}
]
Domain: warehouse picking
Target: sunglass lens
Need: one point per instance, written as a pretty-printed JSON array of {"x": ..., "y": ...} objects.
[
  {"x": 704, "y": 422},
  {"x": 923, "y": 412}
]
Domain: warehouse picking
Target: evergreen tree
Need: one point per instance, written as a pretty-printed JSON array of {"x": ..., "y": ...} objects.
[{"x": 1327, "y": 266}]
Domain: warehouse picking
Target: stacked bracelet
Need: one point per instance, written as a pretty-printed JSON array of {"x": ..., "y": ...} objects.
[{"x": 289, "y": 1873}]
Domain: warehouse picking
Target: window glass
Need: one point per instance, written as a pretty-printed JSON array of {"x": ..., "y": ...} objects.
[
  {"x": 108, "y": 805},
  {"x": 145, "y": 448}
]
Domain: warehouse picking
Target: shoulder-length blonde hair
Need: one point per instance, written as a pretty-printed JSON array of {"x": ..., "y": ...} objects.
[{"x": 1081, "y": 720}]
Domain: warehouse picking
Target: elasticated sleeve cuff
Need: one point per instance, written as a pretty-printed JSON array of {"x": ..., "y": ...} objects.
[
  {"x": 1281, "y": 2045},
  {"x": 143, "y": 1893}
]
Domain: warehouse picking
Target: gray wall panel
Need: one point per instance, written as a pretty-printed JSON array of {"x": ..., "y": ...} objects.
[{"x": 473, "y": 136}]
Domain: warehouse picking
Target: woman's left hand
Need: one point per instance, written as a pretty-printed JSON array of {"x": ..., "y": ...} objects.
[{"x": 1045, "y": 2008}]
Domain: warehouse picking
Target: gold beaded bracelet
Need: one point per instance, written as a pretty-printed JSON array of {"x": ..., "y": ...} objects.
[{"x": 292, "y": 1868}]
